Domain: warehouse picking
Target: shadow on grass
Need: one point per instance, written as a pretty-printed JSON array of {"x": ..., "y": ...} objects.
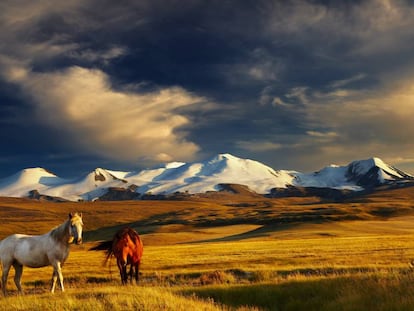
[
  {"x": 263, "y": 231},
  {"x": 344, "y": 293}
]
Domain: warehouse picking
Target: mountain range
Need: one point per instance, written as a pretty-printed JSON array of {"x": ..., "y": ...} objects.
[{"x": 199, "y": 177}]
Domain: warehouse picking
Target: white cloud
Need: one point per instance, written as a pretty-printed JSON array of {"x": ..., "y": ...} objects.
[
  {"x": 322, "y": 134},
  {"x": 120, "y": 125}
]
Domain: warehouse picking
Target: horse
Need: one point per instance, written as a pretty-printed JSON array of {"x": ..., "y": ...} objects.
[
  {"x": 37, "y": 251},
  {"x": 127, "y": 247}
]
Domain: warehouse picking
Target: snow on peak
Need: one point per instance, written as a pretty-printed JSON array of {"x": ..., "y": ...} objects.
[
  {"x": 379, "y": 168},
  {"x": 332, "y": 176},
  {"x": 361, "y": 167},
  {"x": 232, "y": 167},
  {"x": 174, "y": 164},
  {"x": 28, "y": 179},
  {"x": 199, "y": 177},
  {"x": 205, "y": 176},
  {"x": 32, "y": 175},
  {"x": 36, "y": 171},
  {"x": 224, "y": 156},
  {"x": 101, "y": 175}
]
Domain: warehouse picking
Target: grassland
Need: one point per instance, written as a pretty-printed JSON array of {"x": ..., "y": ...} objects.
[{"x": 231, "y": 252}]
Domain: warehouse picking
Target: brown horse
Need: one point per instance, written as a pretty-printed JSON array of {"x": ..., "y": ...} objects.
[{"x": 127, "y": 247}]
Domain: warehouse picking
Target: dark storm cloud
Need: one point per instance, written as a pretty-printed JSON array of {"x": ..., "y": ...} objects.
[{"x": 295, "y": 84}]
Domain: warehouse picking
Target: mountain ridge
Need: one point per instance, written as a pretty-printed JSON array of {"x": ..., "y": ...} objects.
[{"x": 201, "y": 177}]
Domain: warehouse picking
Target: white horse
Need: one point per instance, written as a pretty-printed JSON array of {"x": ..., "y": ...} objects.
[{"x": 37, "y": 251}]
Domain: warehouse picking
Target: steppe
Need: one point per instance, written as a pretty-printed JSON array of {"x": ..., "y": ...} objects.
[{"x": 230, "y": 252}]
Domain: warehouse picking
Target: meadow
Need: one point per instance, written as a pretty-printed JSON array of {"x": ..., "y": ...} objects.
[{"x": 230, "y": 252}]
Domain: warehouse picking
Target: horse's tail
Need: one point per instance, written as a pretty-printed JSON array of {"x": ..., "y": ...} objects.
[{"x": 104, "y": 246}]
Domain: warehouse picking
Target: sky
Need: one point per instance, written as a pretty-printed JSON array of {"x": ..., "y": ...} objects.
[{"x": 127, "y": 85}]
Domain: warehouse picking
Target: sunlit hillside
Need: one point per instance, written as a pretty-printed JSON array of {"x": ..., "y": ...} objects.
[{"x": 230, "y": 251}]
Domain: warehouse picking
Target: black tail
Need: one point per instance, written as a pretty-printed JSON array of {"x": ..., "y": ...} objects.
[{"x": 102, "y": 246}]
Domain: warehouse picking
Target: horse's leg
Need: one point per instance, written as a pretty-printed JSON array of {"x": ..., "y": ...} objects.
[
  {"x": 131, "y": 272},
  {"x": 122, "y": 271},
  {"x": 18, "y": 276},
  {"x": 54, "y": 279},
  {"x": 120, "y": 268},
  {"x": 6, "y": 268},
  {"x": 57, "y": 273},
  {"x": 137, "y": 272}
]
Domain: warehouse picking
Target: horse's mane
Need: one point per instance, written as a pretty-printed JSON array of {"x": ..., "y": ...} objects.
[
  {"x": 60, "y": 232},
  {"x": 131, "y": 232}
]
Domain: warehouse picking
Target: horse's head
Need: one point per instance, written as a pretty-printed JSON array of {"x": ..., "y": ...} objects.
[{"x": 75, "y": 228}]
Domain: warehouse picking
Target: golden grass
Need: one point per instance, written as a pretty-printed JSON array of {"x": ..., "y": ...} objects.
[
  {"x": 354, "y": 267},
  {"x": 349, "y": 253},
  {"x": 109, "y": 298}
]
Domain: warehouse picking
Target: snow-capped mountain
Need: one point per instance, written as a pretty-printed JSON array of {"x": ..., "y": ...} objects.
[
  {"x": 88, "y": 188},
  {"x": 373, "y": 172},
  {"x": 357, "y": 175},
  {"x": 19, "y": 184},
  {"x": 205, "y": 176},
  {"x": 200, "y": 177}
]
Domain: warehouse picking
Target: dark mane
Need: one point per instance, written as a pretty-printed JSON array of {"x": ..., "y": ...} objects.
[
  {"x": 127, "y": 230},
  {"x": 60, "y": 232}
]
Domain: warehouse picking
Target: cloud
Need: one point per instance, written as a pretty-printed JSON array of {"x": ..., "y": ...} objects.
[
  {"x": 257, "y": 146},
  {"x": 92, "y": 56},
  {"x": 345, "y": 82},
  {"x": 323, "y": 79},
  {"x": 124, "y": 126},
  {"x": 372, "y": 23},
  {"x": 356, "y": 124},
  {"x": 321, "y": 134},
  {"x": 51, "y": 54}
]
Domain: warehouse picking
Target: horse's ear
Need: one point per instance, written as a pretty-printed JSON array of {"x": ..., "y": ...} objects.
[{"x": 70, "y": 215}]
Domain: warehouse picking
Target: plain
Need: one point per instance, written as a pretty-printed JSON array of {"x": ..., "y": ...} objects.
[{"x": 229, "y": 251}]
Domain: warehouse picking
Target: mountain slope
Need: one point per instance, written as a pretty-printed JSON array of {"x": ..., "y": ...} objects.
[
  {"x": 19, "y": 184},
  {"x": 88, "y": 188},
  {"x": 205, "y": 176},
  {"x": 200, "y": 177},
  {"x": 373, "y": 172}
]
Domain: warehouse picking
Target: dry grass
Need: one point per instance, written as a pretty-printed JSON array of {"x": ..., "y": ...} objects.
[
  {"x": 349, "y": 253},
  {"x": 109, "y": 298}
]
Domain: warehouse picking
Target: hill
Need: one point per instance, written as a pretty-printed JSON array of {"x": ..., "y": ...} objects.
[{"x": 185, "y": 219}]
